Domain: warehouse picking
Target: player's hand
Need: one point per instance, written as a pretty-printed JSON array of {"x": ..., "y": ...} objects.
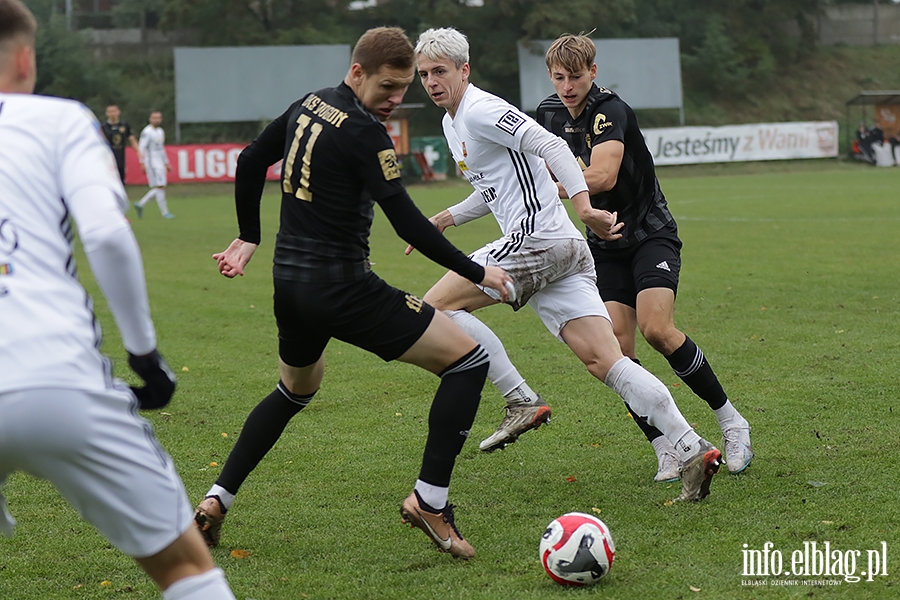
[
  {"x": 169, "y": 168},
  {"x": 498, "y": 279},
  {"x": 143, "y": 167},
  {"x": 159, "y": 380},
  {"x": 603, "y": 223},
  {"x": 441, "y": 221},
  {"x": 232, "y": 260}
]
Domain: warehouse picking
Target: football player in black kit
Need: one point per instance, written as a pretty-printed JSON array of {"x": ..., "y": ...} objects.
[
  {"x": 117, "y": 133},
  {"x": 637, "y": 274},
  {"x": 338, "y": 162}
]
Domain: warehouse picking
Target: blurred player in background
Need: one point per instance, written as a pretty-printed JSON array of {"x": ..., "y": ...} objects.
[
  {"x": 63, "y": 416},
  {"x": 155, "y": 164},
  {"x": 117, "y": 133},
  {"x": 637, "y": 274},
  {"x": 338, "y": 162},
  {"x": 502, "y": 152}
]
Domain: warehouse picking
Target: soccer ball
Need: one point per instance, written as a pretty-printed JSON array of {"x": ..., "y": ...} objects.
[{"x": 577, "y": 549}]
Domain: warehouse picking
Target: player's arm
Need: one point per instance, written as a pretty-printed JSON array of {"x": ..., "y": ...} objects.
[
  {"x": 132, "y": 141},
  {"x": 540, "y": 142},
  {"x": 412, "y": 226},
  {"x": 249, "y": 183},
  {"x": 469, "y": 209},
  {"x": 96, "y": 201},
  {"x": 603, "y": 172}
]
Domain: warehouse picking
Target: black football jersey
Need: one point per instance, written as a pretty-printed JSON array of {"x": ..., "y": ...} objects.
[
  {"x": 117, "y": 135},
  {"x": 636, "y": 196},
  {"x": 338, "y": 161}
]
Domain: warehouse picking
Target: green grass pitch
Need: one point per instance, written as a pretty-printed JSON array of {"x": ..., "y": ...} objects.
[{"x": 791, "y": 285}]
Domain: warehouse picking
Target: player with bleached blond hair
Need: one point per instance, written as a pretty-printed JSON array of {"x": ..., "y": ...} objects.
[
  {"x": 502, "y": 152},
  {"x": 63, "y": 416}
]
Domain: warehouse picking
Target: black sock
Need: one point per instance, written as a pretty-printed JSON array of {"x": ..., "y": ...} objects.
[
  {"x": 452, "y": 414},
  {"x": 690, "y": 365},
  {"x": 263, "y": 427}
]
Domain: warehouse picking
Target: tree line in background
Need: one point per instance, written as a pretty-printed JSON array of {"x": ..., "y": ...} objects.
[{"x": 728, "y": 48}]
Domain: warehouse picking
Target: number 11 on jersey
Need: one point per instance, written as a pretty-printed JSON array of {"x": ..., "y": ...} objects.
[{"x": 303, "y": 192}]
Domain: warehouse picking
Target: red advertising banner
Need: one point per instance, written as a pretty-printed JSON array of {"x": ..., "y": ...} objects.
[{"x": 195, "y": 163}]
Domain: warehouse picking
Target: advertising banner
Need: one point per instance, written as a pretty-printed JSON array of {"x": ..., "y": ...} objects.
[
  {"x": 195, "y": 163},
  {"x": 736, "y": 143}
]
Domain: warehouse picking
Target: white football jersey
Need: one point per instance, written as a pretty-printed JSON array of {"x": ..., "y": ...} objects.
[
  {"x": 485, "y": 139},
  {"x": 49, "y": 150},
  {"x": 153, "y": 147}
]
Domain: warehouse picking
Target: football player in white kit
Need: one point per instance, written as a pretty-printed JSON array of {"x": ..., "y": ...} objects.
[
  {"x": 155, "y": 164},
  {"x": 63, "y": 417},
  {"x": 502, "y": 152}
]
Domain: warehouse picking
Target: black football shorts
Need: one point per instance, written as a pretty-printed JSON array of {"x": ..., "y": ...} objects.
[
  {"x": 623, "y": 272},
  {"x": 367, "y": 313}
]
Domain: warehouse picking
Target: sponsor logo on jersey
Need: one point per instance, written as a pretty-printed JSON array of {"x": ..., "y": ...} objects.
[
  {"x": 465, "y": 154},
  {"x": 489, "y": 195},
  {"x": 6, "y": 269},
  {"x": 600, "y": 123},
  {"x": 510, "y": 122},
  {"x": 664, "y": 266},
  {"x": 389, "y": 165},
  {"x": 462, "y": 166}
]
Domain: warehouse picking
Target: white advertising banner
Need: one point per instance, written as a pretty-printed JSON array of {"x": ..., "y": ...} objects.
[{"x": 736, "y": 143}]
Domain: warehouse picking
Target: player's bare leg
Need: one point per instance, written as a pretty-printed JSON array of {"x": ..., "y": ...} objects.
[
  {"x": 656, "y": 319},
  {"x": 185, "y": 569},
  {"x": 593, "y": 341}
]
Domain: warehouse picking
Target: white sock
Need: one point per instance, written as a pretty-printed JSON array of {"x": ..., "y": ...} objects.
[
  {"x": 226, "y": 497},
  {"x": 728, "y": 416},
  {"x": 662, "y": 445},
  {"x": 434, "y": 496},
  {"x": 688, "y": 445},
  {"x": 161, "y": 200},
  {"x": 522, "y": 393},
  {"x": 502, "y": 373},
  {"x": 146, "y": 197},
  {"x": 649, "y": 397},
  {"x": 210, "y": 585}
]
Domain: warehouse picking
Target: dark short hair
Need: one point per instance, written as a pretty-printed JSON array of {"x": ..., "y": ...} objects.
[
  {"x": 15, "y": 20},
  {"x": 383, "y": 46}
]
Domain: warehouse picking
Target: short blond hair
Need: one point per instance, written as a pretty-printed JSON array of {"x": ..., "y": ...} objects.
[{"x": 572, "y": 52}]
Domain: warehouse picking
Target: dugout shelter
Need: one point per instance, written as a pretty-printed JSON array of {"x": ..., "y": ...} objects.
[{"x": 886, "y": 115}]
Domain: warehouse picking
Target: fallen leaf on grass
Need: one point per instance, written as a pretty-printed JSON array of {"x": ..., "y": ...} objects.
[
  {"x": 596, "y": 510},
  {"x": 214, "y": 464},
  {"x": 78, "y": 587},
  {"x": 184, "y": 369},
  {"x": 816, "y": 483},
  {"x": 105, "y": 583},
  {"x": 694, "y": 589},
  {"x": 668, "y": 503},
  {"x": 239, "y": 553},
  {"x": 224, "y": 435},
  {"x": 571, "y": 479}
]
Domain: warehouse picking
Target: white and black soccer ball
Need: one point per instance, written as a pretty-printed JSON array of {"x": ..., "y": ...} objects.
[{"x": 577, "y": 549}]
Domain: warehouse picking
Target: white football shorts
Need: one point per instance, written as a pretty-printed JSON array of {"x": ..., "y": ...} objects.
[
  {"x": 157, "y": 176},
  {"x": 555, "y": 277},
  {"x": 102, "y": 457}
]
